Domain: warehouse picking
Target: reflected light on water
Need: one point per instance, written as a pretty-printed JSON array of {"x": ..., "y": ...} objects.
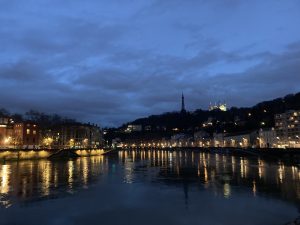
[
  {"x": 227, "y": 190},
  {"x": 233, "y": 164},
  {"x": 280, "y": 172},
  {"x": 244, "y": 167},
  {"x": 46, "y": 174},
  {"x": 128, "y": 170},
  {"x": 38, "y": 179},
  {"x": 70, "y": 174},
  {"x": 85, "y": 170},
  {"x": 209, "y": 169},
  {"x": 260, "y": 168},
  {"x": 254, "y": 188},
  {"x": 220, "y": 175},
  {"x": 5, "y": 175}
]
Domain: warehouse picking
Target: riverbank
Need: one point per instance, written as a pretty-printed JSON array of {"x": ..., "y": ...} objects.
[
  {"x": 22, "y": 154},
  {"x": 267, "y": 153},
  {"x": 291, "y": 154}
]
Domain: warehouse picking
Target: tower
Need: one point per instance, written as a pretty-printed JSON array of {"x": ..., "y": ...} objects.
[{"x": 182, "y": 104}]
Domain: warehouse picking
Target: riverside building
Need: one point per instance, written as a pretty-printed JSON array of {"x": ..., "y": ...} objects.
[
  {"x": 26, "y": 135},
  {"x": 287, "y": 126},
  {"x": 73, "y": 136},
  {"x": 6, "y": 132}
]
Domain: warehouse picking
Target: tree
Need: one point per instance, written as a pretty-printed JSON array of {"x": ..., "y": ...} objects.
[{"x": 4, "y": 112}]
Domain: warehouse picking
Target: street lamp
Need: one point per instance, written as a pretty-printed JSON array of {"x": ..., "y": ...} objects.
[
  {"x": 7, "y": 140},
  {"x": 72, "y": 142}
]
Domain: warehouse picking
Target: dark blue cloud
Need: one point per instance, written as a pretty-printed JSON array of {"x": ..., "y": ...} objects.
[{"x": 112, "y": 61}]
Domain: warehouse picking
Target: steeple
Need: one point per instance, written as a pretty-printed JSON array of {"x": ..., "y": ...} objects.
[{"x": 182, "y": 104}]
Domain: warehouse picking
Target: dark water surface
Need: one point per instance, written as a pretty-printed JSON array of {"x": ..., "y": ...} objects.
[{"x": 150, "y": 187}]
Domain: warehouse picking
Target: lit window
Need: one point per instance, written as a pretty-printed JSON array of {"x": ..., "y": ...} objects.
[
  {"x": 27, "y": 131},
  {"x": 34, "y": 131}
]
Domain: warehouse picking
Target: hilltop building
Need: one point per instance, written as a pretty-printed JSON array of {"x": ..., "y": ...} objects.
[
  {"x": 133, "y": 128},
  {"x": 219, "y": 106}
]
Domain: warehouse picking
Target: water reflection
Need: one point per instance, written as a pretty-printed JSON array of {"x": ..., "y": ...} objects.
[
  {"x": 221, "y": 175},
  {"x": 4, "y": 174},
  {"x": 29, "y": 181}
]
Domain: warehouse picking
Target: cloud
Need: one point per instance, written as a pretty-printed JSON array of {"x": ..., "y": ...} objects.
[
  {"x": 121, "y": 95},
  {"x": 21, "y": 71},
  {"x": 98, "y": 63}
]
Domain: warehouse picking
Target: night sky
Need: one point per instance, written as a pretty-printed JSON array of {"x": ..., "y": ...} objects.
[{"x": 112, "y": 61}]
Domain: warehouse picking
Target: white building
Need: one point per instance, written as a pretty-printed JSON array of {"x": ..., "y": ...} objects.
[
  {"x": 202, "y": 139},
  {"x": 267, "y": 138},
  {"x": 242, "y": 140},
  {"x": 181, "y": 140},
  {"x": 219, "y": 140},
  {"x": 219, "y": 106}
]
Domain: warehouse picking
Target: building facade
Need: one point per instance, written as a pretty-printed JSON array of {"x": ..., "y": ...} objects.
[
  {"x": 181, "y": 140},
  {"x": 287, "y": 126},
  {"x": 241, "y": 140},
  {"x": 73, "y": 136},
  {"x": 202, "y": 139},
  {"x": 26, "y": 135},
  {"x": 267, "y": 138},
  {"x": 6, "y": 132}
]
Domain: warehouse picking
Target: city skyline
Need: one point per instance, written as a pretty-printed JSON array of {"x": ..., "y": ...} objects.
[
  {"x": 97, "y": 63},
  {"x": 218, "y": 106}
]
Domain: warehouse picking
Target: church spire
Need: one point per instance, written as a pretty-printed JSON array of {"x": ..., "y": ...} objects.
[{"x": 182, "y": 104}]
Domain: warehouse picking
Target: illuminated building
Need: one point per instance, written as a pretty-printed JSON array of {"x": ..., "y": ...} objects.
[
  {"x": 76, "y": 136},
  {"x": 5, "y": 131},
  {"x": 241, "y": 139},
  {"x": 267, "y": 138},
  {"x": 287, "y": 126},
  {"x": 133, "y": 128},
  {"x": 26, "y": 135},
  {"x": 219, "y": 106},
  {"x": 208, "y": 123},
  {"x": 181, "y": 140},
  {"x": 218, "y": 139},
  {"x": 201, "y": 138}
]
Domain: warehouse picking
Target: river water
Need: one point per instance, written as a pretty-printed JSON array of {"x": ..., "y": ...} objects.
[{"x": 150, "y": 187}]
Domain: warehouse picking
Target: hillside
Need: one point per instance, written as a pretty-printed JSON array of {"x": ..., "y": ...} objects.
[{"x": 233, "y": 120}]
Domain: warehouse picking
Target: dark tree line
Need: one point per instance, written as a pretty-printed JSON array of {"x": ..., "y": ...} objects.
[{"x": 44, "y": 120}]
